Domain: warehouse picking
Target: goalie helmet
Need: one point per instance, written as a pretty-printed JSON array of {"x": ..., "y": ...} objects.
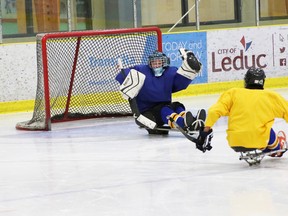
[
  {"x": 254, "y": 78},
  {"x": 158, "y": 61}
]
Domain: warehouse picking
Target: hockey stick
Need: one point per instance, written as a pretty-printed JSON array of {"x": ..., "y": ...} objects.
[{"x": 134, "y": 107}]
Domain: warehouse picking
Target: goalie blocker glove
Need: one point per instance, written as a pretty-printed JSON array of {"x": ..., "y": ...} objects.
[
  {"x": 190, "y": 66},
  {"x": 132, "y": 84},
  {"x": 203, "y": 142}
]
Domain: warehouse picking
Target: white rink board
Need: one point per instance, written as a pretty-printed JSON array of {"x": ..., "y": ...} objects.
[
  {"x": 18, "y": 72},
  {"x": 231, "y": 52}
]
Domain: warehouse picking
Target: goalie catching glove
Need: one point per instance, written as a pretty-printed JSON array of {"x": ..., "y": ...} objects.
[
  {"x": 203, "y": 142},
  {"x": 190, "y": 66}
]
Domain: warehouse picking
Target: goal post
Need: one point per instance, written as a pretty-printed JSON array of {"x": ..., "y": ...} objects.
[{"x": 76, "y": 73}]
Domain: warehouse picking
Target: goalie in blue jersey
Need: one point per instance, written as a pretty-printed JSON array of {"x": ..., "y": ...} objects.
[{"x": 151, "y": 86}]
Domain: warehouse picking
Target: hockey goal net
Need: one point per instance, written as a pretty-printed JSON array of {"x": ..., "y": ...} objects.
[{"x": 76, "y": 73}]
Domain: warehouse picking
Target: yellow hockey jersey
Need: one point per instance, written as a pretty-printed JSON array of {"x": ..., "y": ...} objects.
[{"x": 251, "y": 114}]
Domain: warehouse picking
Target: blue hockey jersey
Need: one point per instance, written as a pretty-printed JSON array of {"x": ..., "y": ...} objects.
[{"x": 156, "y": 89}]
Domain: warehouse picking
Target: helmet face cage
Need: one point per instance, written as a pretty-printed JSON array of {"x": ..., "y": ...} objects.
[
  {"x": 254, "y": 78},
  {"x": 159, "y": 55}
]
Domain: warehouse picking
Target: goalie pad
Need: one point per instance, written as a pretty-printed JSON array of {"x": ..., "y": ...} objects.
[
  {"x": 132, "y": 84},
  {"x": 190, "y": 66}
]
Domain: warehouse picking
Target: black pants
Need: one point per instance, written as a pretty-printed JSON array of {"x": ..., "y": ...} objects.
[{"x": 154, "y": 113}]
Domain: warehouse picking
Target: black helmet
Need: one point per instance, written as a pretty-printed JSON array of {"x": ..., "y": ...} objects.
[{"x": 254, "y": 78}]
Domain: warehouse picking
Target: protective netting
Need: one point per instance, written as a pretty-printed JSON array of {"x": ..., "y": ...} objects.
[{"x": 76, "y": 79}]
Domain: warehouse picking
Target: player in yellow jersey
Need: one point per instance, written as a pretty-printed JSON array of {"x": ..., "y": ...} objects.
[{"x": 251, "y": 112}]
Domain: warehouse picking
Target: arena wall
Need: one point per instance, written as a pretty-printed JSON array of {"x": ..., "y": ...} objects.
[{"x": 225, "y": 54}]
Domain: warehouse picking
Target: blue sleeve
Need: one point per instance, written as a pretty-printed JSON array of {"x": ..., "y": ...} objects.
[
  {"x": 180, "y": 82},
  {"x": 121, "y": 77}
]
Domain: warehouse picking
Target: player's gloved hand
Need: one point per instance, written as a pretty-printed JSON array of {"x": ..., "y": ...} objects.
[
  {"x": 204, "y": 140},
  {"x": 191, "y": 66},
  {"x": 192, "y": 61}
]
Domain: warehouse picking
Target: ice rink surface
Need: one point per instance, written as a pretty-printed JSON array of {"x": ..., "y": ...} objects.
[{"x": 110, "y": 167}]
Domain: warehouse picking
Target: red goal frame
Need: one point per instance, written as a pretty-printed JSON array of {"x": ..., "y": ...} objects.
[{"x": 78, "y": 35}]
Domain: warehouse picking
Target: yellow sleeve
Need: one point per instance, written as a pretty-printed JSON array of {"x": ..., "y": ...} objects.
[
  {"x": 281, "y": 106},
  {"x": 220, "y": 108}
]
